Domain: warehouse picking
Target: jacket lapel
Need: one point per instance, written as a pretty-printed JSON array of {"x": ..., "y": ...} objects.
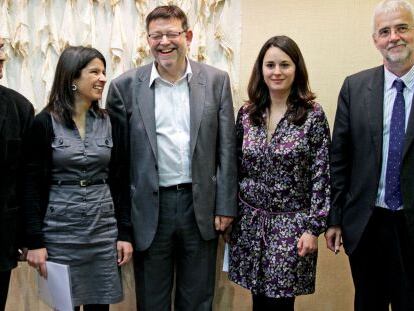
[
  {"x": 374, "y": 102},
  {"x": 3, "y": 109},
  {"x": 146, "y": 105},
  {"x": 409, "y": 134},
  {"x": 197, "y": 89}
]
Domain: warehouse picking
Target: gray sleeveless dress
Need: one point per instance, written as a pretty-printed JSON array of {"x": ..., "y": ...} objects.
[{"x": 79, "y": 226}]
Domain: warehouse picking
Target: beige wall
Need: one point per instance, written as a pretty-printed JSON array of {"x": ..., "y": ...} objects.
[{"x": 335, "y": 39}]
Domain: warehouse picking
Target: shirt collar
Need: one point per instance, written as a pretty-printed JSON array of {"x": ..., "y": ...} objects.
[
  {"x": 155, "y": 74},
  {"x": 408, "y": 79},
  {"x": 92, "y": 113}
]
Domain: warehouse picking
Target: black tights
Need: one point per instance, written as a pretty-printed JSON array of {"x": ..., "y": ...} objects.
[
  {"x": 263, "y": 303},
  {"x": 93, "y": 308}
]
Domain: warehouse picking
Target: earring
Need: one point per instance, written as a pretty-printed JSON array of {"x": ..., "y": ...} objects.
[{"x": 74, "y": 87}]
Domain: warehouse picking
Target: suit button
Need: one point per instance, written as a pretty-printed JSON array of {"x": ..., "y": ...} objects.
[
  {"x": 60, "y": 141},
  {"x": 107, "y": 141},
  {"x": 156, "y": 167}
]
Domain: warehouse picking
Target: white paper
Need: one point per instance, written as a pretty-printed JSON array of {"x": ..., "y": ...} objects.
[
  {"x": 226, "y": 258},
  {"x": 55, "y": 291}
]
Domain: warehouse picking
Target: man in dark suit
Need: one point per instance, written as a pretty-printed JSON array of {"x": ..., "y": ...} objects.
[
  {"x": 174, "y": 138},
  {"x": 372, "y": 167},
  {"x": 16, "y": 114}
]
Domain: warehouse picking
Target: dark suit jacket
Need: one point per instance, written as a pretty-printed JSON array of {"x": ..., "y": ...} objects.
[
  {"x": 356, "y": 156},
  {"x": 16, "y": 114},
  {"x": 130, "y": 104}
]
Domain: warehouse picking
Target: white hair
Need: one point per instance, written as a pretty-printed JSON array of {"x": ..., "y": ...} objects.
[{"x": 387, "y": 6}]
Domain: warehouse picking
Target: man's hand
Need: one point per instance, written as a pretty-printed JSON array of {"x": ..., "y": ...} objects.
[
  {"x": 333, "y": 238},
  {"x": 307, "y": 244},
  {"x": 222, "y": 222},
  {"x": 36, "y": 258},
  {"x": 124, "y": 250}
]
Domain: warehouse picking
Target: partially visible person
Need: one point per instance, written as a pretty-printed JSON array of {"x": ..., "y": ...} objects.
[
  {"x": 16, "y": 115},
  {"x": 372, "y": 167},
  {"x": 71, "y": 216},
  {"x": 174, "y": 126},
  {"x": 284, "y": 193}
]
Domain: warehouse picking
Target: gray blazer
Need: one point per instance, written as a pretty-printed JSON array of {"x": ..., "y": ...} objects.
[
  {"x": 356, "y": 156},
  {"x": 130, "y": 103}
]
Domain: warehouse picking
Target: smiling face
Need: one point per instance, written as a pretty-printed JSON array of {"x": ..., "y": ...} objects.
[
  {"x": 2, "y": 57},
  {"x": 278, "y": 71},
  {"x": 169, "y": 54},
  {"x": 394, "y": 37},
  {"x": 91, "y": 82}
]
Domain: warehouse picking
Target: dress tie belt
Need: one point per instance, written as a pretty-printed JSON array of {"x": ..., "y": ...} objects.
[{"x": 264, "y": 215}]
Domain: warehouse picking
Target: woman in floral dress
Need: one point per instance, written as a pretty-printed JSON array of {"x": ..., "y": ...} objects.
[{"x": 283, "y": 159}]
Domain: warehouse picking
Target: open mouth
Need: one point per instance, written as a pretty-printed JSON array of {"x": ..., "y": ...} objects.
[
  {"x": 165, "y": 51},
  {"x": 98, "y": 87}
]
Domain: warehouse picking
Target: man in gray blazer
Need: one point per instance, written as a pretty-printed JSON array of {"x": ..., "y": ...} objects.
[
  {"x": 372, "y": 167},
  {"x": 174, "y": 144}
]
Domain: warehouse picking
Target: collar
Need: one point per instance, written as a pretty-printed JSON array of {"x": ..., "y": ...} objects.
[
  {"x": 408, "y": 79},
  {"x": 156, "y": 75},
  {"x": 92, "y": 112}
]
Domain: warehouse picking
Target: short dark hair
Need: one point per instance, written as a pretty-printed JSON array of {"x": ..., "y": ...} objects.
[
  {"x": 70, "y": 64},
  {"x": 167, "y": 12},
  {"x": 300, "y": 97}
]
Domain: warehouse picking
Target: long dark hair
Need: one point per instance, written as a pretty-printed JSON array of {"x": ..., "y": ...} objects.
[
  {"x": 70, "y": 64},
  {"x": 300, "y": 97}
]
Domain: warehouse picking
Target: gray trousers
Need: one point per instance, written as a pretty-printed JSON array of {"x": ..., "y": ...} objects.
[{"x": 177, "y": 246}]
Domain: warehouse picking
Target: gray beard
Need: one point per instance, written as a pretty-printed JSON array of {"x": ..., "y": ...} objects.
[{"x": 399, "y": 58}]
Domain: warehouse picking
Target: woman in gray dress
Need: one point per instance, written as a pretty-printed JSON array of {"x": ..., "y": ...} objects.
[{"x": 71, "y": 216}]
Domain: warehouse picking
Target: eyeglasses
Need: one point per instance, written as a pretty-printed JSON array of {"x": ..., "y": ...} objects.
[
  {"x": 171, "y": 35},
  {"x": 384, "y": 33}
]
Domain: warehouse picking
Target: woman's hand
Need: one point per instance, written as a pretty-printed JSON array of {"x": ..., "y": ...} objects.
[
  {"x": 124, "y": 250},
  {"x": 37, "y": 259},
  {"x": 307, "y": 244}
]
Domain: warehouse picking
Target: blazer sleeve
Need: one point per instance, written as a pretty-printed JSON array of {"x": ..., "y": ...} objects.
[
  {"x": 26, "y": 115},
  {"x": 36, "y": 183},
  {"x": 226, "y": 202},
  {"x": 119, "y": 180},
  {"x": 340, "y": 156}
]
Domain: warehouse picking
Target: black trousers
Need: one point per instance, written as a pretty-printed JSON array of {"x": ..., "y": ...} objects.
[
  {"x": 178, "y": 253},
  {"x": 4, "y": 287},
  {"x": 263, "y": 303},
  {"x": 382, "y": 264}
]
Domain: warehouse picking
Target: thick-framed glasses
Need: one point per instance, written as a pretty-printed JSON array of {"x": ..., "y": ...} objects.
[
  {"x": 171, "y": 35},
  {"x": 385, "y": 32}
]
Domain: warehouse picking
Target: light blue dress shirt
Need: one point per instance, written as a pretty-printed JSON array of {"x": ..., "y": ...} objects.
[{"x": 389, "y": 96}]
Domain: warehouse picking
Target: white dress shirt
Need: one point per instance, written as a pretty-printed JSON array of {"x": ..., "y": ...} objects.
[
  {"x": 172, "y": 123},
  {"x": 390, "y": 93}
]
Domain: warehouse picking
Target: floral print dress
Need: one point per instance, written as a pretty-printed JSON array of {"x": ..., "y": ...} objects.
[{"x": 284, "y": 191}]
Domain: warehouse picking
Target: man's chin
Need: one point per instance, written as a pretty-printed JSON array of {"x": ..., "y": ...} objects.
[{"x": 398, "y": 57}]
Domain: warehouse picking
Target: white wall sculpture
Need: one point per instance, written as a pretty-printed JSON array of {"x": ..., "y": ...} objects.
[{"x": 36, "y": 31}]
